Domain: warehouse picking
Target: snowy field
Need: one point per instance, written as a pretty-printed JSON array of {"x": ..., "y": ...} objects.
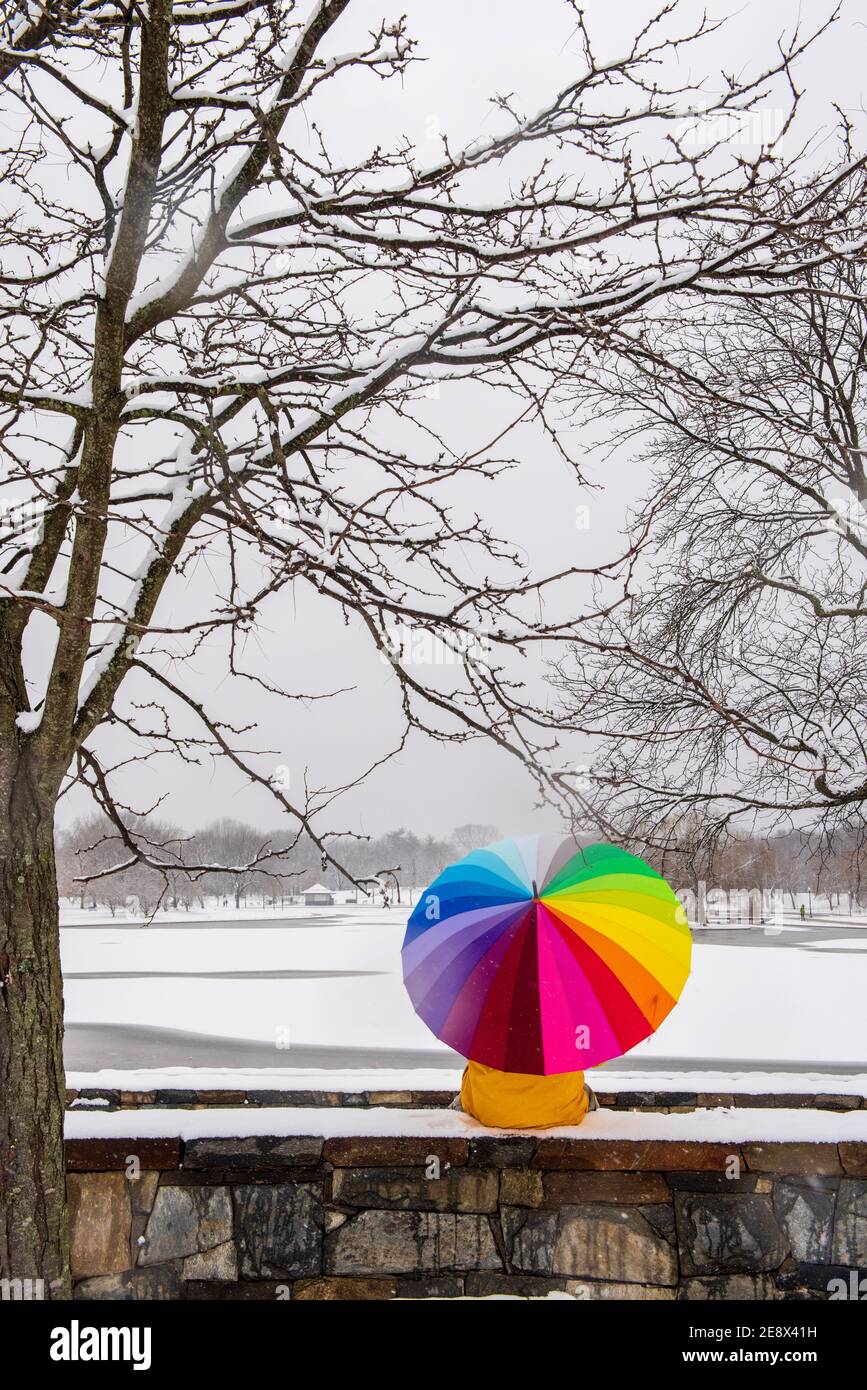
[{"x": 317, "y": 995}]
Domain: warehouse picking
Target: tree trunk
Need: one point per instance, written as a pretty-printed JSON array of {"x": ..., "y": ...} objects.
[{"x": 34, "y": 1241}]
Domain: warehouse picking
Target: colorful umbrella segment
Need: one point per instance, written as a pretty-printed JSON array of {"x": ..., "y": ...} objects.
[{"x": 536, "y": 956}]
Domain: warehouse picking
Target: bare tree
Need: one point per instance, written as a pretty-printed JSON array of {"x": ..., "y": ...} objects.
[
  {"x": 236, "y": 846},
  {"x": 218, "y": 342},
  {"x": 470, "y": 836},
  {"x": 731, "y": 690},
  {"x": 93, "y": 862}
]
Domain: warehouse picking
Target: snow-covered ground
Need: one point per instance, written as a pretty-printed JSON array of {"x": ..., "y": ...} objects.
[
  {"x": 350, "y": 1080},
  {"x": 705, "y": 1126},
  {"x": 317, "y": 996}
]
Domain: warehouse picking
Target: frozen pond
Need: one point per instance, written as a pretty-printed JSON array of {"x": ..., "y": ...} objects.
[{"x": 323, "y": 989}]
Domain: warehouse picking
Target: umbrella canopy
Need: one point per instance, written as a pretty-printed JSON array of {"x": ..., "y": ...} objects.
[{"x": 536, "y": 956}]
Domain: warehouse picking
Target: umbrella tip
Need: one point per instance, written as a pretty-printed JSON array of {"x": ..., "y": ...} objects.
[{"x": 535, "y": 889}]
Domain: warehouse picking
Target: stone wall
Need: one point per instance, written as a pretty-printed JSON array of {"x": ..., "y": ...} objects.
[
  {"x": 660, "y": 1102},
  {"x": 378, "y": 1218}
]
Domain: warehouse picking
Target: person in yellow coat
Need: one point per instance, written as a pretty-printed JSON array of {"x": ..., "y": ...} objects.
[{"x": 514, "y": 1100}]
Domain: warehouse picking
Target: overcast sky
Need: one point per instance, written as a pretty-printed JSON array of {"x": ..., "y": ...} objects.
[{"x": 473, "y": 50}]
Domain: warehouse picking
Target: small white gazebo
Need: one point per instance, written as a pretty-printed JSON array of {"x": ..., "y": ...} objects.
[{"x": 318, "y": 896}]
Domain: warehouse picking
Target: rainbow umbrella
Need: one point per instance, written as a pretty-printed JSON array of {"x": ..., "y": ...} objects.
[{"x": 536, "y": 956}]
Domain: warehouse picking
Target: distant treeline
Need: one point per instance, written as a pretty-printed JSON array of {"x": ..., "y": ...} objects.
[
  {"x": 98, "y": 868},
  {"x": 797, "y": 864}
]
